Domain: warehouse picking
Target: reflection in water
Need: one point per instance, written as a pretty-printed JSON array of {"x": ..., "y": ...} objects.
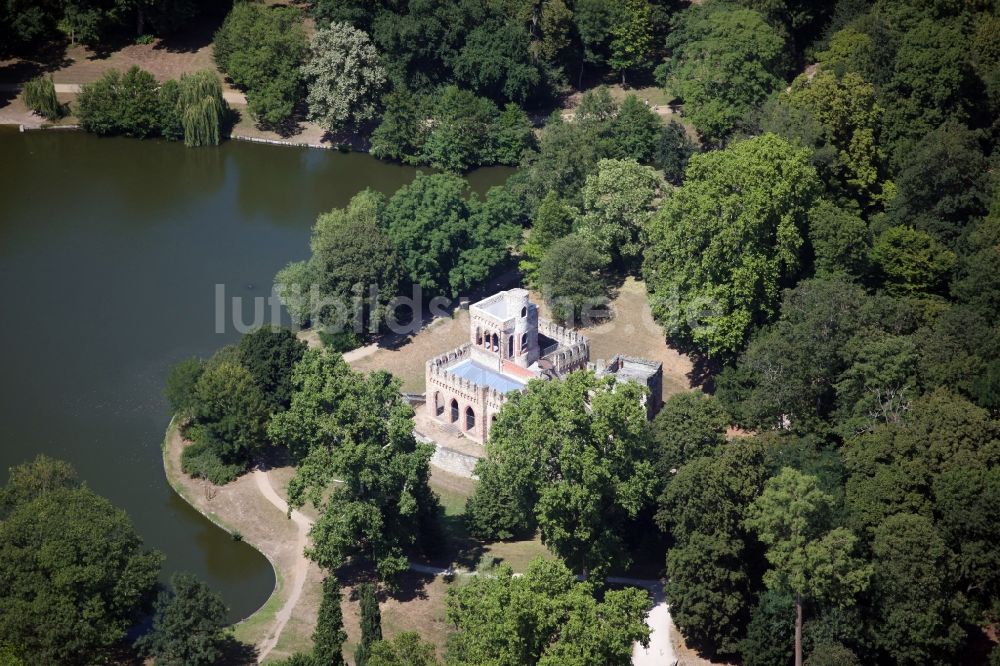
[{"x": 110, "y": 250}]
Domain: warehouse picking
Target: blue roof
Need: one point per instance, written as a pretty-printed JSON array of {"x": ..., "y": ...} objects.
[{"x": 483, "y": 376}]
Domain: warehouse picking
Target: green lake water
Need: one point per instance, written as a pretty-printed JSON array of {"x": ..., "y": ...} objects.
[{"x": 110, "y": 250}]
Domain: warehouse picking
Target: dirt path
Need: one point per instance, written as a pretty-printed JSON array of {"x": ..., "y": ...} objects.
[
  {"x": 285, "y": 621},
  {"x": 299, "y": 571}
]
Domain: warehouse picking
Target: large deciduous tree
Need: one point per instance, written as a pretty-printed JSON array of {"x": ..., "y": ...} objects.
[
  {"x": 188, "y": 625},
  {"x": 618, "y": 201},
  {"x": 446, "y": 242},
  {"x": 75, "y": 574},
  {"x": 353, "y": 273},
  {"x": 807, "y": 558},
  {"x": 722, "y": 245},
  {"x": 356, "y": 429},
  {"x": 839, "y": 117},
  {"x": 578, "y": 474},
  {"x": 270, "y": 355},
  {"x": 544, "y": 618},
  {"x": 344, "y": 77},
  {"x": 261, "y": 48},
  {"x": 712, "y": 563},
  {"x": 724, "y": 62}
]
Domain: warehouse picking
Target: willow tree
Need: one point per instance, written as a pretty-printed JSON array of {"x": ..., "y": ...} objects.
[
  {"x": 40, "y": 97},
  {"x": 202, "y": 108}
]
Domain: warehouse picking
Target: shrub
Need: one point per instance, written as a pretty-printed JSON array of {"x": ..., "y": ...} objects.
[
  {"x": 40, "y": 97},
  {"x": 117, "y": 103},
  {"x": 201, "y": 462}
]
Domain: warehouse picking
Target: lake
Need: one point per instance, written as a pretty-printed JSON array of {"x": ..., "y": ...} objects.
[{"x": 110, "y": 250}]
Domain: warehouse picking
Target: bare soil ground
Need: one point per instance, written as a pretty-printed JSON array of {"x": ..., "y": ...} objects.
[{"x": 239, "y": 507}]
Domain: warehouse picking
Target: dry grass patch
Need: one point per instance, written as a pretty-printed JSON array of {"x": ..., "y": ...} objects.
[
  {"x": 406, "y": 358},
  {"x": 633, "y": 331}
]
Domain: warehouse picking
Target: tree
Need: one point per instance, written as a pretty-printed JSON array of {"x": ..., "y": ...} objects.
[
  {"x": 120, "y": 104},
  {"x": 878, "y": 382},
  {"x": 618, "y": 202},
  {"x": 461, "y": 131},
  {"x": 634, "y": 131},
  {"x": 709, "y": 587},
  {"x": 672, "y": 151},
  {"x": 75, "y": 574},
  {"x": 553, "y": 220},
  {"x": 351, "y": 256},
  {"x": 40, "y": 97},
  {"x": 786, "y": 378},
  {"x": 270, "y": 355},
  {"x": 230, "y": 413},
  {"x": 711, "y": 566},
  {"x": 496, "y": 63},
  {"x": 32, "y": 480},
  {"x": 544, "y": 617},
  {"x": 689, "y": 425},
  {"x": 188, "y": 624},
  {"x": 571, "y": 278},
  {"x": 512, "y": 135},
  {"x": 356, "y": 428},
  {"x": 914, "y": 602},
  {"x": 632, "y": 37},
  {"x": 403, "y": 130},
  {"x": 329, "y": 634},
  {"x": 911, "y": 260},
  {"x": 201, "y": 108},
  {"x": 807, "y": 559},
  {"x": 580, "y": 475},
  {"x": 443, "y": 240},
  {"x": 181, "y": 383},
  {"x": 261, "y": 49},
  {"x": 371, "y": 623},
  {"x": 840, "y": 240},
  {"x": 893, "y": 469},
  {"x": 714, "y": 44},
  {"x": 405, "y": 649},
  {"x": 343, "y": 75},
  {"x": 927, "y": 82},
  {"x": 720, "y": 246},
  {"x": 567, "y": 153},
  {"x": 839, "y": 116},
  {"x": 941, "y": 200},
  {"x": 293, "y": 284}
]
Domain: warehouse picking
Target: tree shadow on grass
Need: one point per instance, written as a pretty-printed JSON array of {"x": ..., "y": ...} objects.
[{"x": 237, "y": 653}]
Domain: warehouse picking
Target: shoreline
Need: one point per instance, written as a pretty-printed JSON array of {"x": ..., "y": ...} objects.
[
  {"x": 274, "y": 629},
  {"x": 290, "y": 142}
]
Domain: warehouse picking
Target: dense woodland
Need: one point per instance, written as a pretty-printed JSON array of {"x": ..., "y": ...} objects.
[{"x": 818, "y": 227}]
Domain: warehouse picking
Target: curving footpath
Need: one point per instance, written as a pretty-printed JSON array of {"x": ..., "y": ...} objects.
[{"x": 299, "y": 570}]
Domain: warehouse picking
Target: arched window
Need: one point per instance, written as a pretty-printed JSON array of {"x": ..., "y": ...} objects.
[
  {"x": 438, "y": 404},
  {"x": 510, "y": 346},
  {"x": 470, "y": 418},
  {"x": 479, "y": 336},
  {"x": 454, "y": 410},
  {"x": 524, "y": 312},
  {"x": 496, "y": 343},
  {"x": 524, "y": 342}
]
